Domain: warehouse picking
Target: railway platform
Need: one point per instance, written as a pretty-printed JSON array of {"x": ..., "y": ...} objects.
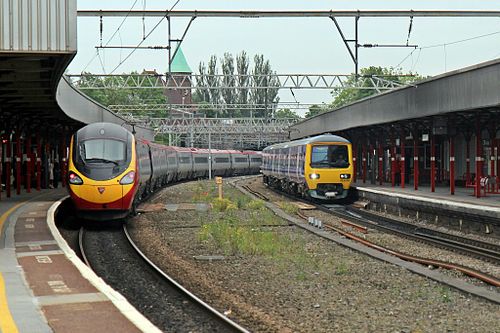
[
  {"x": 43, "y": 285},
  {"x": 461, "y": 211}
]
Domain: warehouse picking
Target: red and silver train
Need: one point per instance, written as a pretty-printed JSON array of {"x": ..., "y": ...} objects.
[{"x": 110, "y": 171}]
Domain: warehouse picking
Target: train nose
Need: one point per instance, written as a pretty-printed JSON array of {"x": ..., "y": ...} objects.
[{"x": 101, "y": 196}]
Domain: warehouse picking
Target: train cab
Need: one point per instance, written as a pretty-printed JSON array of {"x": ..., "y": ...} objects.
[{"x": 102, "y": 171}]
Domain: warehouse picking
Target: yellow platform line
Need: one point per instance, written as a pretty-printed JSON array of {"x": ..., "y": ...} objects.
[{"x": 7, "y": 324}]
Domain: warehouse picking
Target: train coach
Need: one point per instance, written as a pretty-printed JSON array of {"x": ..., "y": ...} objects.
[
  {"x": 110, "y": 171},
  {"x": 319, "y": 167}
]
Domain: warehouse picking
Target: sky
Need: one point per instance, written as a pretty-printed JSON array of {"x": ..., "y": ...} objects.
[{"x": 293, "y": 45}]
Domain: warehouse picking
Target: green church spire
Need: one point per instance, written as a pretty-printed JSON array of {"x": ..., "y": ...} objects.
[{"x": 179, "y": 63}]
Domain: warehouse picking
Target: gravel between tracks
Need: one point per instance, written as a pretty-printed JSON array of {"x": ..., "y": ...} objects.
[{"x": 338, "y": 291}]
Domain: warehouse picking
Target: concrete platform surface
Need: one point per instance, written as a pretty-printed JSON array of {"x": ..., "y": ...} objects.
[{"x": 43, "y": 285}]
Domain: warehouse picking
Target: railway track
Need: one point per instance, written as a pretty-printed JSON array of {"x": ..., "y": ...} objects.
[
  {"x": 256, "y": 193},
  {"x": 475, "y": 248},
  {"x": 113, "y": 255},
  {"x": 362, "y": 220}
]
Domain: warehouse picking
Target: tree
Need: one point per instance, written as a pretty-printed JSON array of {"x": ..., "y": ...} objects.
[
  {"x": 202, "y": 94},
  {"x": 242, "y": 64},
  {"x": 225, "y": 92},
  {"x": 263, "y": 77},
  {"x": 315, "y": 110},
  {"x": 229, "y": 94},
  {"x": 286, "y": 114},
  {"x": 123, "y": 96},
  {"x": 213, "y": 81},
  {"x": 350, "y": 94}
]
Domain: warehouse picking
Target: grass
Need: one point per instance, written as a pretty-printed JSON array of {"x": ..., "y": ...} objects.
[
  {"x": 342, "y": 268},
  {"x": 289, "y": 208},
  {"x": 233, "y": 236},
  {"x": 203, "y": 191},
  {"x": 238, "y": 225},
  {"x": 445, "y": 294}
]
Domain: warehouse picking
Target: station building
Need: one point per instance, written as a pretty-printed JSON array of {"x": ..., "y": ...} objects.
[{"x": 443, "y": 131}]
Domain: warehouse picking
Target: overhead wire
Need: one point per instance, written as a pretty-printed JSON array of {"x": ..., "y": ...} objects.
[
  {"x": 146, "y": 37},
  {"x": 446, "y": 44},
  {"x": 112, "y": 36}
]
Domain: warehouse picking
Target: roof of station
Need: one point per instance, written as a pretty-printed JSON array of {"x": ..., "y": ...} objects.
[
  {"x": 179, "y": 63},
  {"x": 467, "y": 90},
  {"x": 33, "y": 97}
]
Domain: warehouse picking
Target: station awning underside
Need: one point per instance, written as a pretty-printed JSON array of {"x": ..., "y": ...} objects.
[
  {"x": 458, "y": 98},
  {"x": 34, "y": 97},
  {"x": 28, "y": 85}
]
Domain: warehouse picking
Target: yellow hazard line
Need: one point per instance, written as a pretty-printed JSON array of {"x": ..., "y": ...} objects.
[{"x": 7, "y": 323}]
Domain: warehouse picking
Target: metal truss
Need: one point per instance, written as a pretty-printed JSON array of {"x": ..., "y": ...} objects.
[
  {"x": 281, "y": 81},
  {"x": 151, "y": 109},
  {"x": 219, "y": 125},
  {"x": 242, "y": 133}
]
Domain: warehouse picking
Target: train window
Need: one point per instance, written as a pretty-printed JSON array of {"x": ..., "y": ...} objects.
[
  {"x": 201, "y": 160},
  {"x": 256, "y": 159},
  {"x": 102, "y": 150},
  {"x": 185, "y": 160},
  {"x": 329, "y": 156},
  {"x": 240, "y": 159},
  {"x": 221, "y": 160},
  {"x": 172, "y": 160}
]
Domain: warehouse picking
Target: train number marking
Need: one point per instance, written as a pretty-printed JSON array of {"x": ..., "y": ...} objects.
[{"x": 29, "y": 226}]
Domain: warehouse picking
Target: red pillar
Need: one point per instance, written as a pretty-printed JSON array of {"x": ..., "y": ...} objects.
[
  {"x": 467, "y": 163},
  {"x": 442, "y": 171},
  {"x": 27, "y": 186},
  {"x": 8, "y": 166},
  {"x": 479, "y": 154},
  {"x": 497, "y": 153},
  {"x": 18, "y": 163},
  {"x": 380, "y": 163},
  {"x": 433, "y": 164},
  {"x": 364, "y": 163},
  {"x": 452, "y": 165},
  {"x": 415, "y": 163},
  {"x": 38, "y": 162},
  {"x": 393, "y": 163},
  {"x": 354, "y": 168},
  {"x": 492, "y": 159},
  {"x": 403, "y": 165}
]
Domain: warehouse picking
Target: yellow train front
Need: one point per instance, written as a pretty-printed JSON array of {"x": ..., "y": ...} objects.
[
  {"x": 102, "y": 171},
  {"x": 320, "y": 167}
]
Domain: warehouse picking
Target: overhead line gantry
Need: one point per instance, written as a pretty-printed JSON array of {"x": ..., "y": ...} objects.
[{"x": 352, "y": 44}]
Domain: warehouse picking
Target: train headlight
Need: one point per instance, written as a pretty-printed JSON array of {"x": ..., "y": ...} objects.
[
  {"x": 314, "y": 175},
  {"x": 74, "y": 179},
  {"x": 345, "y": 176},
  {"x": 128, "y": 178}
]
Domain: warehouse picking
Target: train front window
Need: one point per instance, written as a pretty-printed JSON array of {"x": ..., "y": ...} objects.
[
  {"x": 329, "y": 156},
  {"x": 102, "y": 151}
]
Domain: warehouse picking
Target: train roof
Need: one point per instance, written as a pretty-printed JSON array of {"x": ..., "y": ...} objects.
[
  {"x": 103, "y": 130},
  {"x": 319, "y": 138}
]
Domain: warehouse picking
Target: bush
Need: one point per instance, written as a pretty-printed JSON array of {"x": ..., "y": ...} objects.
[
  {"x": 256, "y": 204},
  {"x": 222, "y": 205}
]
